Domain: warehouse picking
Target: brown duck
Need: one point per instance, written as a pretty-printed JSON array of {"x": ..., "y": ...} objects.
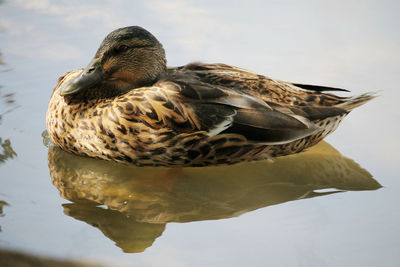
[{"x": 128, "y": 106}]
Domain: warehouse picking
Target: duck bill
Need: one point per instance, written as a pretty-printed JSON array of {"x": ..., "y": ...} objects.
[{"x": 89, "y": 77}]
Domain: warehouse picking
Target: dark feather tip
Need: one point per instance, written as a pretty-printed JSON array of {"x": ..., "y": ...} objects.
[{"x": 319, "y": 88}]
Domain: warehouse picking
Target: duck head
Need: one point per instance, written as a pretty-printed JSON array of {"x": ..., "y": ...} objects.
[{"x": 128, "y": 58}]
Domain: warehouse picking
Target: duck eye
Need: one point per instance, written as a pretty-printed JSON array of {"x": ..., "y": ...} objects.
[{"x": 121, "y": 48}]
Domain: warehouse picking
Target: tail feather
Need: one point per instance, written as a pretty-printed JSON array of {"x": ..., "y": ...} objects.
[{"x": 351, "y": 103}]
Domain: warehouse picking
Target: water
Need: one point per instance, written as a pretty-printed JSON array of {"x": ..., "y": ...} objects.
[{"x": 324, "y": 207}]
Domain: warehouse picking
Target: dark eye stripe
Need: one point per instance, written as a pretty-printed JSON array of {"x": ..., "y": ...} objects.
[
  {"x": 121, "y": 48},
  {"x": 141, "y": 46},
  {"x": 117, "y": 50}
]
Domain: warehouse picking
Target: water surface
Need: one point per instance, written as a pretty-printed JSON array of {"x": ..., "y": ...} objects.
[{"x": 324, "y": 207}]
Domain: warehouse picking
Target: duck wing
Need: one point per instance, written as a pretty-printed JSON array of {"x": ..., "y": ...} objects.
[
  {"x": 219, "y": 109},
  {"x": 263, "y": 87}
]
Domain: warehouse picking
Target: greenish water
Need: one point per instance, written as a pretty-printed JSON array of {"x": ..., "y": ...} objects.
[{"x": 324, "y": 207}]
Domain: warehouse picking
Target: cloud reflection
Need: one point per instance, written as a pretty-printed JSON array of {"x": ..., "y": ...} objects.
[{"x": 180, "y": 23}]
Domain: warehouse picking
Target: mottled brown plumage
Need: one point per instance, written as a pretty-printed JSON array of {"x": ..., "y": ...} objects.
[{"x": 127, "y": 106}]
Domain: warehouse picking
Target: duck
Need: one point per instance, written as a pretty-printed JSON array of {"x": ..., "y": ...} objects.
[{"x": 127, "y": 106}]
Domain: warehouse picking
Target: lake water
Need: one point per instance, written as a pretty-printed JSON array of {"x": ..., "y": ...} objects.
[{"x": 334, "y": 205}]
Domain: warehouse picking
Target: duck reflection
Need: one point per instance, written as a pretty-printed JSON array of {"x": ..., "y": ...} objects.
[
  {"x": 130, "y": 235},
  {"x": 141, "y": 200}
]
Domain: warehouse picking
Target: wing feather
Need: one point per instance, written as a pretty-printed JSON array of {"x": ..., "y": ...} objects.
[
  {"x": 219, "y": 108},
  {"x": 319, "y": 88}
]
